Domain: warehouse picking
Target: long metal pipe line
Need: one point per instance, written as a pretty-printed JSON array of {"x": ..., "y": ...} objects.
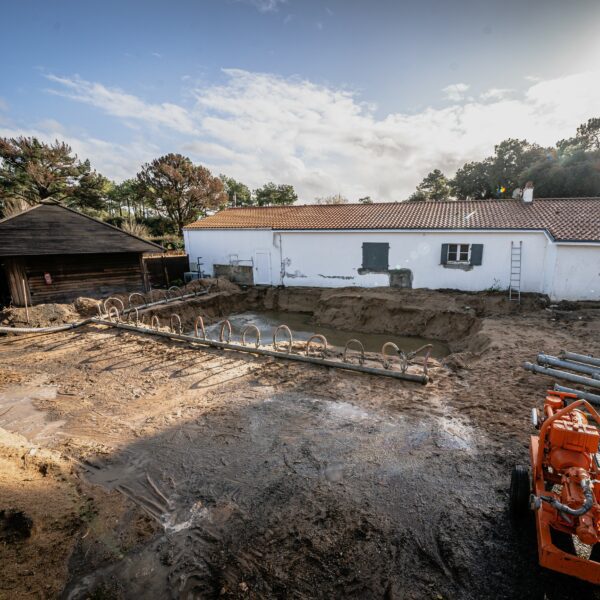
[
  {"x": 164, "y": 301},
  {"x": 561, "y": 375},
  {"x": 593, "y": 398},
  {"x": 546, "y": 359},
  {"x": 423, "y": 379},
  {"x": 582, "y": 358},
  {"x": 53, "y": 329}
]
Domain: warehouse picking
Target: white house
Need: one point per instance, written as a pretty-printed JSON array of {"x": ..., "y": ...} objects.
[{"x": 549, "y": 245}]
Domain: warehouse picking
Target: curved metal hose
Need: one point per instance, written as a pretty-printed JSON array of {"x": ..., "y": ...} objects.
[
  {"x": 44, "y": 329},
  {"x": 586, "y": 485}
]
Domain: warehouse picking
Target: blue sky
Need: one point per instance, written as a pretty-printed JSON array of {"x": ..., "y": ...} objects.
[{"x": 341, "y": 96}]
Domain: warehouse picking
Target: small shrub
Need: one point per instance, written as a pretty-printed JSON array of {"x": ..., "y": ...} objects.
[{"x": 137, "y": 229}]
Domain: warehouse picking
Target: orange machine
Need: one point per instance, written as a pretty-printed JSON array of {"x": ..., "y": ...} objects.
[{"x": 563, "y": 491}]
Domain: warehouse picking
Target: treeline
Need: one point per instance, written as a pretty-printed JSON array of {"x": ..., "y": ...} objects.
[
  {"x": 165, "y": 195},
  {"x": 569, "y": 169}
]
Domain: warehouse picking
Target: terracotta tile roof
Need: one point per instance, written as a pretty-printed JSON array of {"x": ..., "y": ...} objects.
[{"x": 576, "y": 219}]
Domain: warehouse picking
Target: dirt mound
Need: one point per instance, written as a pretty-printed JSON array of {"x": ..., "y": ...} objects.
[
  {"x": 42, "y": 315},
  {"x": 86, "y": 307}
]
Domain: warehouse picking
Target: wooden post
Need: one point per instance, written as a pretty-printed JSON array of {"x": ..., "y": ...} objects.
[
  {"x": 145, "y": 278},
  {"x": 25, "y": 296},
  {"x": 17, "y": 281}
]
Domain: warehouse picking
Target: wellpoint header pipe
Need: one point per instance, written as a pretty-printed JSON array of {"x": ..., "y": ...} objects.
[
  {"x": 562, "y": 375},
  {"x": 422, "y": 379}
]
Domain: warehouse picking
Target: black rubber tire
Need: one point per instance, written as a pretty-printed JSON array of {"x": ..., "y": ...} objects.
[{"x": 520, "y": 491}]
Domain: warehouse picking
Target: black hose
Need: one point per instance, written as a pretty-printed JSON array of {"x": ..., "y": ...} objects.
[{"x": 586, "y": 485}]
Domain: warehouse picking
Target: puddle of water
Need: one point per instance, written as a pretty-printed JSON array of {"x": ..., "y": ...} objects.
[
  {"x": 303, "y": 326},
  {"x": 19, "y": 415}
]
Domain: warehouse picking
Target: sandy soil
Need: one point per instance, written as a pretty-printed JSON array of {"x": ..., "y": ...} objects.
[{"x": 149, "y": 468}]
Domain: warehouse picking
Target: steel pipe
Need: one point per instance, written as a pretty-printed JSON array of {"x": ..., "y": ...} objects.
[
  {"x": 582, "y": 358},
  {"x": 179, "y": 325},
  {"x": 386, "y": 362},
  {"x": 546, "y": 359},
  {"x": 316, "y": 336},
  {"x": 227, "y": 324},
  {"x": 561, "y": 375},
  {"x": 137, "y": 315},
  {"x": 199, "y": 321},
  {"x": 290, "y": 337},
  {"x": 256, "y": 330},
  {"x": 136, "y": 294},
  {"x": 113, "y": 299},
  {"x": 113, "y": 310},
  {"x": 53, "y": 329},
  {"x": 592, "y": 398},
  {"x": 361, "y": 349},
  {"x": 175, "y": 287},
  {"x": 423, "y": 379}
]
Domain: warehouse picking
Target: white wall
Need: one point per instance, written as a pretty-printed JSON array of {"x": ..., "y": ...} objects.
[
  {"x": 576, "y": 273},
  {"x": 333, "y": 259},
  {"x": 216, "y": 246}
]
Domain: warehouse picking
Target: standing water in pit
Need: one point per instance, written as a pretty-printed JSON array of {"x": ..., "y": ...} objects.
[{"x": 303, "y": 326}]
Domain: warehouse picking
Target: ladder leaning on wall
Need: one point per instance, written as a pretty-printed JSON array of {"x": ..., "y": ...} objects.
[{"x": 516, "y": 253}]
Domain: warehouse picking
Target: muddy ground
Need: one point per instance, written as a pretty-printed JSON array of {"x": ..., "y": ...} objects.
[{"x": 137, "y": 467}]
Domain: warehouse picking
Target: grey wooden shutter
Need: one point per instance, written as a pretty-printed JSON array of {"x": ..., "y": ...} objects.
[
  {"x": 376, "y": 256},
  {"x": 476, "y": 254},
  {"x": 444, "y": 259}
]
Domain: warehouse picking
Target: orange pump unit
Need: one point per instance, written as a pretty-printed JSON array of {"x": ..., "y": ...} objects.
[{"x": 563, "y": 490}]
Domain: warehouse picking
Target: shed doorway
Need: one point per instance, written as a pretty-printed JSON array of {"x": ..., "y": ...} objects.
[{"x": 5, "y": 296}]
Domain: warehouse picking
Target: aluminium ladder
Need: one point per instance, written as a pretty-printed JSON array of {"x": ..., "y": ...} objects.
[{"x": 516, "y": 252}]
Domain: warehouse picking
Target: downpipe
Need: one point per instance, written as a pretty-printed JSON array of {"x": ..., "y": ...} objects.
[{"x": 422, "y": 379}]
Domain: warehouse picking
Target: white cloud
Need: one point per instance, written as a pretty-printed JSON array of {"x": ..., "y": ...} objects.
[
  {"x": 3, "y": 104},
  {"x": 265, "y": 5},
  {"x": 259, "y": 127},
  {"x": 455, "y": 91},
  {"x": 323, "y": 140},
  {"x": 496, "y": 94},
  {"x": 120, "y": 104}
]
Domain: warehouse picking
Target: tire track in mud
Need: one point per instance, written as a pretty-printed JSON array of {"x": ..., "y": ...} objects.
[{"x": 292, "y": 496}]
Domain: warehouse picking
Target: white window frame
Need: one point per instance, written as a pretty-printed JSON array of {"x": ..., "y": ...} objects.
[{"x": 459, "y": 251}]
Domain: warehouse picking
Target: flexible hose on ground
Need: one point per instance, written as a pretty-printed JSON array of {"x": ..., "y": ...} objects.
[{"x": 44, "y": 329}]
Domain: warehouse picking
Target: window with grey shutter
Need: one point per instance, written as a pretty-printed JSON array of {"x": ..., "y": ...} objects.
[
  {"x": 462, "y": 254},
  {"x": 476, "y": 254},
  {"x": 375, "y": 257},
  {"x": 444, "y": 259}
]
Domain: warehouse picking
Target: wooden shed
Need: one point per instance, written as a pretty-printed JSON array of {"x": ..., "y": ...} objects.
[{"x": 51, "y": 253}]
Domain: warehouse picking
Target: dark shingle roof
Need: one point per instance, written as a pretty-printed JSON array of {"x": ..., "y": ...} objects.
[
  {"x": 50, "y": 228},
  {"x": 565, "y": 219}
]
